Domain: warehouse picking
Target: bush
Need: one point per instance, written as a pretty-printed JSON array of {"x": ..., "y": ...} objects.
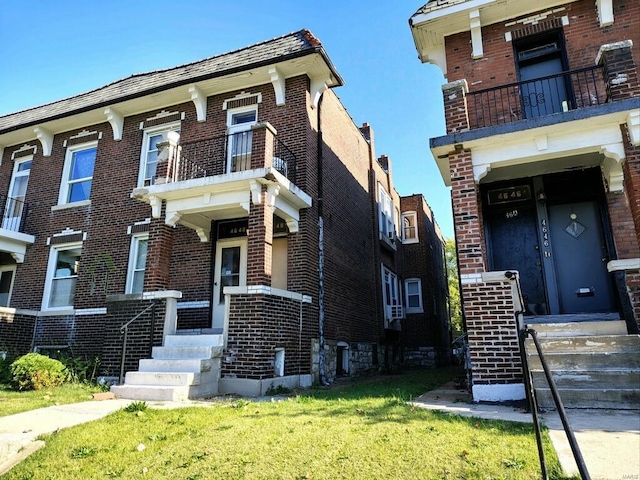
[{"x": 36, "y": 372}]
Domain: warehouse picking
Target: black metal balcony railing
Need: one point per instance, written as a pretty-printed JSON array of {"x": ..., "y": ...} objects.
[
  {"x": 14, "y": 213},
  {"x": 547, "y": 95},
  {"x": 218, "y": 155}
]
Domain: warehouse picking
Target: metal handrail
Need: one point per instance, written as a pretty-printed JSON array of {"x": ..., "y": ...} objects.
[
  {"x": 523, "y": 331},
  {"x": 124, "y": 330},
  {"x": 14, "y": 213}
]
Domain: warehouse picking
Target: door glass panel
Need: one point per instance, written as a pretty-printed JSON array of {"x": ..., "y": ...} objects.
[
  {"x": 15, "y": 203},
  {"x": 229, "y": 269}
]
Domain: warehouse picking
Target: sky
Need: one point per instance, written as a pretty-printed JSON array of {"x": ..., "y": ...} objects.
[{"x": 56, "y": 49}]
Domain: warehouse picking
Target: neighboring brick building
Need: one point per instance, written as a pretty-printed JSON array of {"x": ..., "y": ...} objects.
[
  {"x": 541, "y": 152},
  {"x": 224, "y": 207}
]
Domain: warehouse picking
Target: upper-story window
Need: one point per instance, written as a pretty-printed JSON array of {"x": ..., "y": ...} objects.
[
  {"x": 239, "y": 122},
  {"x": 409, "y": 227},
  {"x": 14, "y": 208},
  {"x": 385, "y": 205},
  {"x": 62, "y": 273},
  {"x": 413, "y": 294},
  {"x": 391, "y": 295},
  {"x": 77, "y": 175},
  {"x": 149, "y": 157}
]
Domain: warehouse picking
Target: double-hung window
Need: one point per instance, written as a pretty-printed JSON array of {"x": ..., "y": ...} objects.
[
  {"x": 77, "y": 175},
  {"x": 409, "y": 227},
  {"x": 413, "y": 295},
  {"x": 62, "y": 273},
  {"x": 149, "y": 156},
  {"x": 387, "y": 228},
  {"x": 239, "y": 122},
  {"x": 137, "y": 263}
]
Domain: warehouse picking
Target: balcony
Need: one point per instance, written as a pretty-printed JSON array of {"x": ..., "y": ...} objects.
[
  {"x": 220, "y": 178},
  {"x": 13, "y": 240},
  {"x": 570, "y": 90}
]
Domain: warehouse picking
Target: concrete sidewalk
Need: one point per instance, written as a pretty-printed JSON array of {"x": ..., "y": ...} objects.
[{"x": 608, "y": 439}]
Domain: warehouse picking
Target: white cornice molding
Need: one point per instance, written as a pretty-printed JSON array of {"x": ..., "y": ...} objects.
[
  {"x": 256, "y": 192},
  {"x": 605, "y": 12},
  {"x": 633, "y": 126},
  {"x": 626, "y": 264},
  {"x": 117, "y": 122},
  {"x": 199, "y": 100},
  {"x": 46, "y": 140},
  {"x": 278, "y": 82}
]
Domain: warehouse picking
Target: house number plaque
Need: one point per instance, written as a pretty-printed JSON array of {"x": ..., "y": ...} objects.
[{"x": 509, "y": 194}]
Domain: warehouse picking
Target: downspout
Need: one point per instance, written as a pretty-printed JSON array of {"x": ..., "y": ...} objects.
[{"x": 321, "y": 346}]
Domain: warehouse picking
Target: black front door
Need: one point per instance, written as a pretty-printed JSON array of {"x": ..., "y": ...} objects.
[
  {"x": 580, "y": 258},
  {"x": 514, "y": 246}
]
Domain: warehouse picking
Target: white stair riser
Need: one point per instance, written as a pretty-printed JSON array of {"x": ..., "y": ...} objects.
[
  {"x": 193, "y": 341},
  {"x": 575, "y": 329},
  {"x": 181, "y": 366},
  {"x": 162, "y": 378},
  {"x": 622, "y": 399},
  {"x": 151, "y": 393},
  {"x": 588, "y": 344},
  {"x": 626, "y": 379},
  {"x": 183, "y": 353}
]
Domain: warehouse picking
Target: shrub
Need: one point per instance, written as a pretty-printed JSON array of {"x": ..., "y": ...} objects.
[{"x": 36, "y": 372}]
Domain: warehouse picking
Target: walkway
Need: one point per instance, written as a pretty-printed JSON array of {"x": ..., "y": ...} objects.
[{"x": 609, "y": 439}]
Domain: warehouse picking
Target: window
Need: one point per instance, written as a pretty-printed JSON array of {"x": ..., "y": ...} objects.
[
  {"x": 387, "y": 229},
  {"x": 149, "y": 157},
  {"x": 239, "y": 122},
  {"x": 62, "y": 273},
  {"x": 77, "y": 174},
  {"x": 391, "y": 296},
  {"x": 137, "y": 263},
  {"x": 14, "y": 208},
  {"x": 413, "y": 295},
  {"x": 6, "y": 284},
  {"x": 409, "y": 227}
]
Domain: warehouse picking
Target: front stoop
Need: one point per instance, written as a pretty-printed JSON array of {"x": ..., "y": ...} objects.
[
  {"x": 186, "y": 367},
  {"x": 594, "y": 365}
]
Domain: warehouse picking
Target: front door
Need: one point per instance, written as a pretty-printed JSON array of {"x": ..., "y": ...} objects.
[
  {"x": 580, "y": 258},
  {"x": 230, "y": 271}
]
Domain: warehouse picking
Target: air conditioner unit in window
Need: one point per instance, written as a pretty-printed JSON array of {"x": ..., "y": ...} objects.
[{"x": 397, "y": 312}]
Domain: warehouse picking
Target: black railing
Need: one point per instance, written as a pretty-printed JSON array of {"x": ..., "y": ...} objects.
[
  {"x": 537, "y": 97},
  {"x": 523, "y": 332},
  {"x": 124, "y": 331},
  {"x": 220, "y": 155},
  {"x": 14, "y": 213},
  {"x": 284, "y": 160}
]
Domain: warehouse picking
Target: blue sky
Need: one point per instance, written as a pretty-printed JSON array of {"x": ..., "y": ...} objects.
[{"x": 56, "y": 49}]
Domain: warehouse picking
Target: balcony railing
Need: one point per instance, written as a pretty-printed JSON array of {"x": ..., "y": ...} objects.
[
  {"x": 541, "y": 96},
  {"x": 217, "y": 156},
  {"x": 14, "y": 213}
]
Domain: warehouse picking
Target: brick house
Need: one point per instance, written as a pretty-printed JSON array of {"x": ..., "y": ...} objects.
[
  {"x": 541, "y": 152},
  {"x": 219, "y": 209}
]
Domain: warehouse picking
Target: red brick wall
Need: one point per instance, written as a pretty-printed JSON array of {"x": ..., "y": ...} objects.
[
  {"x": 492, "y": 333},
  {"x": 16, "y": 333}
]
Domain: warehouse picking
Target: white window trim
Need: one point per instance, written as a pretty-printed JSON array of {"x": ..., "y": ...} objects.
[
  {"x": 415, "y": 226},
  {"x": 64, "y": 183},
  {"x": 242, "y": 127},
  {"x": 408, "y": 309},
  {"x": 386, "y": 225},
  {"x": 9, "y": 268},
  {"x": 133, "y": 253},
  {"x": 147, "y": 134},
  {"x": 51, "y": 266},
  {"x": 392, "y": 307},
  {"x": 14, "y": 175}
]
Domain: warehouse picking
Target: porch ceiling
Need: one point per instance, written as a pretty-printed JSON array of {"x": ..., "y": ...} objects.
[{"x": 195, "y": 203}]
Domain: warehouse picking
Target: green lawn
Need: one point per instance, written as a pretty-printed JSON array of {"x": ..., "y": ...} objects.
[
  {"x": 12, "y": 401},
  {"x": 364, "y": 430}
]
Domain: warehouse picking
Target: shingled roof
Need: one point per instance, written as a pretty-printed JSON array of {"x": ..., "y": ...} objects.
[
  {"x": 292, "y": 45},
  {"x": 436, "y": 5}
]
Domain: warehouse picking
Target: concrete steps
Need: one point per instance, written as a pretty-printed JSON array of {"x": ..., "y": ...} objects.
[
  {"x": 594, "y": 364},
  {"x": 187, "y": 366}
]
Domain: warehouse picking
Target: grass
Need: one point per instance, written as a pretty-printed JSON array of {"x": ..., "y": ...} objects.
[
  {"x": 363, "y": 430},
  {"x": 12, "y": 401}
]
